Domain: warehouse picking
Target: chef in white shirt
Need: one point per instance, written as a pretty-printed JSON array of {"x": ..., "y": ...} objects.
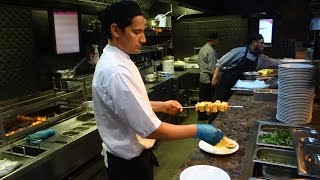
[{"x": 122, "y": 108}]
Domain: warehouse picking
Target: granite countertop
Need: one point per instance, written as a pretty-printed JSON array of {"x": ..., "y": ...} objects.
[{"x": 236, "y": 124}]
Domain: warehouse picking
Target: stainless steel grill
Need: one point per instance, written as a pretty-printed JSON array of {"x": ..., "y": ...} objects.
[{"x": 55, "y": 107}]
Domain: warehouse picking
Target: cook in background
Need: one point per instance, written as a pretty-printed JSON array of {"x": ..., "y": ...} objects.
[
  {"x": 121, "y": 105},
  {"x": 237, "y": 61},
  {"x": 240, "y": 60},
  {"x": 207, "y": 60}
]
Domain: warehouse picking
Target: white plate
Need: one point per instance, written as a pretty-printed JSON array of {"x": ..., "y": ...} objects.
[
  {"x": 218, "y": 150},
  {"x": 204, "y": 172}
]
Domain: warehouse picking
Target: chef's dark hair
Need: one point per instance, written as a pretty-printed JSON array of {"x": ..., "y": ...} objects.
[
  {"x": 120, "y": 13},
  {"x": 212, "y": 36},
  {"x": 254, "y": 37}
]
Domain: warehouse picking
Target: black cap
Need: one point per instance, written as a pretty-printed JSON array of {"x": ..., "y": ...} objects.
[
  {"x": 120, "y": 13},
  {"x": 213, "y": 36},
  {"x": 254, "y": 37}
]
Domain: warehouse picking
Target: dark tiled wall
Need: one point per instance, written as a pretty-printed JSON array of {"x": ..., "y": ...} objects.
[
  {"x": 17, "y": 60},
  {"x": 192, "y": 33},
  {"x": 27, "y": 58}
]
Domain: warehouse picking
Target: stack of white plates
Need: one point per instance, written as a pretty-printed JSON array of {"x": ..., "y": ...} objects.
[
  {"x": 296, "y": 93},
  {"x": 304, "y": 61}
]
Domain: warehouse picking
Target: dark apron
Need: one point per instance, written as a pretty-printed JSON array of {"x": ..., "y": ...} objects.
[
  {"x": 140, "y": 167},
  {"x": 231, "y": 76},
  {"x": 206, "y": 93}
]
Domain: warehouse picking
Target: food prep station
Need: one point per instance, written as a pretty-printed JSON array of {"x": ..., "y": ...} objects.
[
  {"x": 74, "y": 152},
  {"x": 66, "y": 154},
  {"x": 282, "y": 151}
]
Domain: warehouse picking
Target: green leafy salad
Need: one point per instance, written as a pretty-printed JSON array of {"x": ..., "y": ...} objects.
[{"x": 278, "y": 137}]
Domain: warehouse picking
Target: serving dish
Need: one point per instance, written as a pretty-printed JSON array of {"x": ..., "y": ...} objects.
[
  {"x": 203, "y": 172},
  {"x": 276, "y": 138},
  {"x": 279, "y": 157},
  {"x": 219, "y": 149}
]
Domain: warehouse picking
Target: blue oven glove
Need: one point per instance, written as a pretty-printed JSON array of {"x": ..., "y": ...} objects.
[{"x": 209, "y": 133}]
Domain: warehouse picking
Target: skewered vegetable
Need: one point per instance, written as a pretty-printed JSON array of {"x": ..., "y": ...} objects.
[{"x": 212, "y": 107}]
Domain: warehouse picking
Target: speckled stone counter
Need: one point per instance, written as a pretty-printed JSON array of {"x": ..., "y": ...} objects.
[{"x": 236, "y": 124}]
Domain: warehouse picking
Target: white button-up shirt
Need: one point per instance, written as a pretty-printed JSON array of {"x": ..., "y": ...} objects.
[{"x": 121, "y": 105}]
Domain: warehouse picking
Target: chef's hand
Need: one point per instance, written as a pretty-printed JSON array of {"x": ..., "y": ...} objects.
[
  {"x": 209, "y": 133},
  {"x": 214, "y": 82},
  {"x": 172, "y": 107}
]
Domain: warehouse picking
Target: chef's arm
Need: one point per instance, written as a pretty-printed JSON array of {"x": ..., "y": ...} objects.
[
  {"x": 205, "y": 132},
  {"x": 265, "y": 62},
  {"x": 168, "y": 131},
  {"x": 170, "y": 107},
  {"x": 215, "y": 76}
]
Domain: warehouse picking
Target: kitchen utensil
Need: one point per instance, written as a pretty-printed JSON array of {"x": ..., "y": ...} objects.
[
  {"x": 69, "y": 73},
  {"x": 151, "y": 77},
  {"x": 152, "y": 22},
  {"x": 65, "y": 73},
  {"x": 79, "y": 63},
  {"x": 193, "y": 107},
  {"x": 88, "y": 107},
  {"x": 168, "y": 66},
  {"x": 251, "y": 75}
]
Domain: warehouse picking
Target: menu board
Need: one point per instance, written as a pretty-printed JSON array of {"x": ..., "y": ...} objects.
[
  {"x": 265, "y": 29},
  {"x": 66, "y": 31}
]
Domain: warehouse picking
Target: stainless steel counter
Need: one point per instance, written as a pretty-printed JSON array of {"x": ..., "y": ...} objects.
[
  {"x": 151, "y": 86},
  {"x": 58, "y": 159}
]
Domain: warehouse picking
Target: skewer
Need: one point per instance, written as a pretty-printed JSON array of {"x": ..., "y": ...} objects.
[{"x": 193, "y": 107}]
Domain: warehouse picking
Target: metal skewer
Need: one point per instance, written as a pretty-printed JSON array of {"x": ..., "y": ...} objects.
[{"x": 193, "y": 107}]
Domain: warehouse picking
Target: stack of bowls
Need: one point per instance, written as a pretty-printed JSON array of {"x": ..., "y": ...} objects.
[{"x": 295, "y": 94}]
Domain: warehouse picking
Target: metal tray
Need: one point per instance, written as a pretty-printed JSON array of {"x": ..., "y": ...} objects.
[
  {"x": 270, "y": 145},
  {"x": 267, "y": 171},
  {"x": 304, "y": 135},
  {"x": 278, "y": 157},
  {"x": 308, "y": 158},
  {"x": 272, "y": 128}
]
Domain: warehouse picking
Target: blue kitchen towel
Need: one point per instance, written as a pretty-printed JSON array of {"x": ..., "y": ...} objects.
[
  {"x": 250, "y": 84},
  {"x": 39, "y": 136}
]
